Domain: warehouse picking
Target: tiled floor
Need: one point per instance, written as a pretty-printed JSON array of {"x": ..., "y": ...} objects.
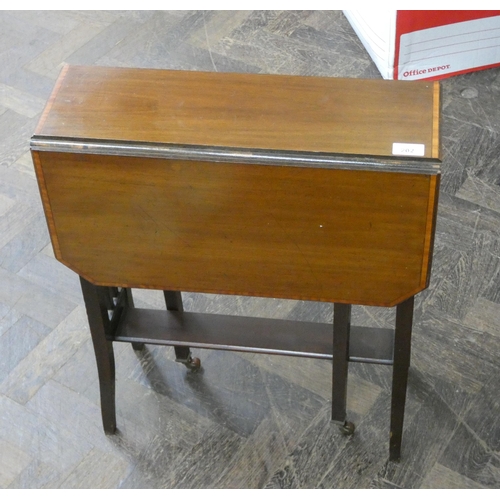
[{"x": 247, "y": 421}]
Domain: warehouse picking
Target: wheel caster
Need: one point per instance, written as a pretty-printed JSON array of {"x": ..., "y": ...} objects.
[
  {"x": 348, "y": 428},
  {"x": 194, "y": 364}
]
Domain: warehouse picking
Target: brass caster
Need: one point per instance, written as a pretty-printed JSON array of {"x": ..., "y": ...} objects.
[
  {"x": 194, "y": 364},
  {"x": 348, "y": 428}
]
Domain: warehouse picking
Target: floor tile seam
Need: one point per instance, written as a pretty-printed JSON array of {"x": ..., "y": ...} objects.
[
  {"x": 457, "y": 416},
  {"x": 62, "y": 479},
  {"x": 42, "y": 289},
  {"x": 54, "y": 373},
  {"x": 12, "y": 400},
  {"x": 11, "y": 485},
  {"x": 462, "y": 421},
  {"x": 449, "y": 157},
  {"x": 26, "y": 221},
  {"x": 59, "y": 45},
  {"x": 318, "y": 417},
  {"x": 72, "y": 298},
  {"x": 469, "y": 170},
  {"x": 22, "y": 315},
  {"x": 464, "y": 122},
  {"x": 9, "y": 94},
  {"x": 117, "y": 22},
  {"x": 316, "y": 48},
  {"x": 460, "y": 324},
  {"x": 33, "y": 347},
  {"x": 482, "y": 203},
  {"x": 342, "y": 446},
  {"x": 459, "y": 419},
  {"x": 485, "y": 114},
  {"x": 481, "y": 442},
  {"x": 248, "y": 444},
  {"x": 264, "y": 373},
  {"x": 18, "y": 15}
]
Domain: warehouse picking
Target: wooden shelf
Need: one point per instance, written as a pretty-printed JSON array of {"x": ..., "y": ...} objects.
[{"x": 249, "y": 334}]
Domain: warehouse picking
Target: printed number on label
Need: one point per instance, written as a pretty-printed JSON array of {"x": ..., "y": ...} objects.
[{"x": 404, "y": 149}]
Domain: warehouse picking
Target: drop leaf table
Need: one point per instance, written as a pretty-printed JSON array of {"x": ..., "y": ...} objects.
[{"x": 293, "y": 187}]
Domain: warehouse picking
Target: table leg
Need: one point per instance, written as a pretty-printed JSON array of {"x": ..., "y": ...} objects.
[
  {"x": 402, "y": 353},
  {"x": 136, "y": 346},
  {"x": 99, "y": 324},
  {"x": 173, "y": 300},
  {"x": 341, "y": 331}
]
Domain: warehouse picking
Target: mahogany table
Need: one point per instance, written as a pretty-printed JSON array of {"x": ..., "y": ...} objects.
[{"x": 307, "y": 188}]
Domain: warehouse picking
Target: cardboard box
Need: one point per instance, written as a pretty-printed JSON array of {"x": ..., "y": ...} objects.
[{"x": 428, "y": 44}]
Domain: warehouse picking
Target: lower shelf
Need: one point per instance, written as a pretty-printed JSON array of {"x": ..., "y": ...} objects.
[{"x": 249, "y": 334}]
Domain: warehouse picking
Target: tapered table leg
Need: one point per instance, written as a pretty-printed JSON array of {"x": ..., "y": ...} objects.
[
  {"x": 99, "y": 323},
  {"x": 173, "y": 301},
  {"x": 341, "y": 331},
  {"x": 402, "y": 354}
]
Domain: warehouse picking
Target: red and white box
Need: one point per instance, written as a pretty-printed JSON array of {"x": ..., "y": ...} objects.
[{"x": 428, "y": 44}]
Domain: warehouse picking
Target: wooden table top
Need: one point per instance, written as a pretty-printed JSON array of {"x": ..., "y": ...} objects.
[
  {"x": 348, "y": 231},
  {"x": 246, "y": 111}
]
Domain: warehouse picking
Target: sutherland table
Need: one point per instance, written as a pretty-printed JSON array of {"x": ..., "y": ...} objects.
[{"x": 316, "y": 189}]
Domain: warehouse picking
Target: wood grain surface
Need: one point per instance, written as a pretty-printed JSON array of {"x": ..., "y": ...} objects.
[
  {"x": 313, "y": 234},
  {"x": 255, "y": 111}
]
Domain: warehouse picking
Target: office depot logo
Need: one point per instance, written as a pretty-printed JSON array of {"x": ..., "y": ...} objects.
[{"x": 426, "y": 71}]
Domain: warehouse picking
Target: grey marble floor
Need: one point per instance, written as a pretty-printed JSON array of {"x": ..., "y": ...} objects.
[{"x": 246, "y": 421}]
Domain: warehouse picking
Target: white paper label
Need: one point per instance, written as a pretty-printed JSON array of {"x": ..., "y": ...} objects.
[{"x": 404, "y": 149}]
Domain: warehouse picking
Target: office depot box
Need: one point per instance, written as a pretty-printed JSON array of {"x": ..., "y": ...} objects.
[{"x": 428, "y": 44}]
